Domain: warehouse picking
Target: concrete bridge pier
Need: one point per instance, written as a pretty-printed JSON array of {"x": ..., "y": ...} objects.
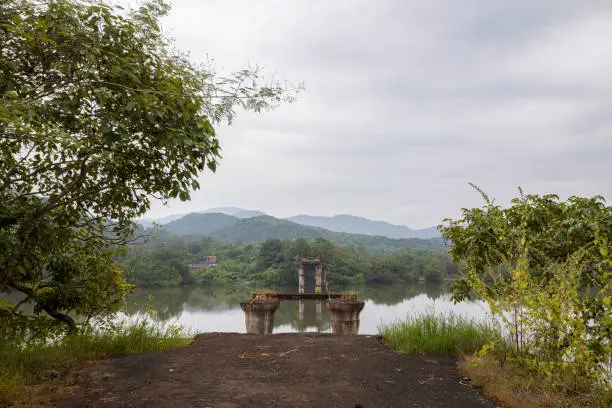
[
  {"x": 259, "y": 315},
  {"x": 301, "y": 279},
  {"x": 300, "y": 310},
  {"x": 345, "y": 315},
  {"x": 318, "y": 276}
]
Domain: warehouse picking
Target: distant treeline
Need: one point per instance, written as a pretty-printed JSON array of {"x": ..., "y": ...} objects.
[{"x": 275, "y": 263}]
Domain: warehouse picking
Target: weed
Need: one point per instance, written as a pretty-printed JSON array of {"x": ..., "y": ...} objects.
[
  {"x": 27, "y": 363},
  {"x": 431, "y": 332}
]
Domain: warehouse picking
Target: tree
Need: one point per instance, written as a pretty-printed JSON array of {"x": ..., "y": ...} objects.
[
  {"x": 269, "y": 254},
  {"x": 431, "y": 266},
  {"x": 544, "y": 267},
  {"x": 99, "y": 115},
  {"x": 542, "y": 228}
]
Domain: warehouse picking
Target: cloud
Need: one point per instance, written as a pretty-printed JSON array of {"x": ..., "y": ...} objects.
[{"x": 407, "y": 102}]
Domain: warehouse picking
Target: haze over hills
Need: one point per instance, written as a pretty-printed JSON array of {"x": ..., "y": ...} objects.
[
  {"x": 200, "y": 224},
  {"x": 232, "y": 229},
  {"x": 338, "y": 223},
  {"x": 359, "y": 225},
  {"x": 233, "y": 211}
]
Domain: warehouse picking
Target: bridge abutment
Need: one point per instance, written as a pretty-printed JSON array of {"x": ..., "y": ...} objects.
[
  {"x": 344, "y": 315},
  {"x": 259, "y": 315}
]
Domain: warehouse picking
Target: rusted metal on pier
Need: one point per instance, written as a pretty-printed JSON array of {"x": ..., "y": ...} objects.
[{"x": 297, "y": 296}]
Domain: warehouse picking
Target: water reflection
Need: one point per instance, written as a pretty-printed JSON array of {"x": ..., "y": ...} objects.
[
  {"x": 205, "y": 309},
  {"x": 393, "y": 294},
  {"x": 314, "y": 316}
]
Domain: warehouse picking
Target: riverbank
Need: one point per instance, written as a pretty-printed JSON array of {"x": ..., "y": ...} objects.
[
  {"x": 284, "y": 370},
  {"x": 27, "y": 366}
]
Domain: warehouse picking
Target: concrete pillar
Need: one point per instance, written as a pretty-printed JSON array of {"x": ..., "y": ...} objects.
[
  {"x": 259, "y": 315},
  {"x": 301, "y": 279},
  {"x": 301, "y": 311},
  {"x": 318, "y": 274},
  {"x": 344, "y": 315},
  {"x": 319, "y": 313}
]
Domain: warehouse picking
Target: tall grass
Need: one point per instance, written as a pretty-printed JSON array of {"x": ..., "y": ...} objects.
[
  {"x": 30, "y": 362},
  {"x": 442, "y": 333}
]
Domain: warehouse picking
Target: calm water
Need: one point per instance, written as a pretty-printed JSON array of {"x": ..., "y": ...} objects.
[{"x": 201, "y": 309}]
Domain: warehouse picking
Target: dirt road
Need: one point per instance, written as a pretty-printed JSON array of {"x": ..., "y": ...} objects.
[{"x": 225, "y": 370}]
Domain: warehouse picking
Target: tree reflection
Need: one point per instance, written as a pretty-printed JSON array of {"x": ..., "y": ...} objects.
[
  {"x": 288, "y": 314},
  {"x": 169, "y": 303},
  {"x": 393, "y": 294}
]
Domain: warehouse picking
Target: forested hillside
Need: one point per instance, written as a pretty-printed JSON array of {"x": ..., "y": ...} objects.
[
  {"x": 200, "y": 224},
  {"x": 233, "y": 230}
]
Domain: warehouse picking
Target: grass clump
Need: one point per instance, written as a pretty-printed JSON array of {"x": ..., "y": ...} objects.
[
  {"x": 26, "y": 363},
  {"x": 441, "y": 333}
]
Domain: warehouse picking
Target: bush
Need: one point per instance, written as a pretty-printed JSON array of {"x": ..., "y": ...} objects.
[{"x": 544, "y": 266}]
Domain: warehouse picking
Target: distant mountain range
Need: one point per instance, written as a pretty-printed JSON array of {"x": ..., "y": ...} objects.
[
  {"x": 349, "y": 224},
  {"x": 233, "y": 211},
  {"x": 231, "y": 229},
  {"x": 359, "y": 225}
]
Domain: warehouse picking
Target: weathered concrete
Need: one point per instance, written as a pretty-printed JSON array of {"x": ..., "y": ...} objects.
[
  {"x": 259, "y": 315},
  {"x": 301, "y": 279},
  {"x": 345, "y": 315},
  {"x": 318, "y": 275},
  {"x": 300, "y": 310}
]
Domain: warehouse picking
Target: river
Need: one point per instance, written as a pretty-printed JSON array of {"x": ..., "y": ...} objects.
[{"x": 206, "y": 309}]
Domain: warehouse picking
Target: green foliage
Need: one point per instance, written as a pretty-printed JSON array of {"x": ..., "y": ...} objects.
[
  {"x": 99, "y": 114},
  {"x": 275, "y": 262},
  {"x": 29, "y": 362},
  {"x": 269, "y": 254},
  {"x": 390, "y": 268},
  {"x": 269, "y": 277},
  {"x": 431, "y": 332},
  {"x": 158, "y": 265},
  {"x": 543, "y": 266}
]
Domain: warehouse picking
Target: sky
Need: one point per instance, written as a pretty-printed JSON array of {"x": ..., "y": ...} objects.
[{"x": 406, "y": 102}]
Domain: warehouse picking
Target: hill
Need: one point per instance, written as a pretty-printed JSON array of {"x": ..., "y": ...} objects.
[
  {"x": 235, "y": 212},
  {"x": 338, "y": 223},
  {"x": 359, "y": 225},
  {"x": 200, "y": 224},
  {"x": 148, "y": 222},
  {"x": 231, "y": 229}
]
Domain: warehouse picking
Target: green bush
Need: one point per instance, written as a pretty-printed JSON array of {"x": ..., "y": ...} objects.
[{"x": 544, "y": 266}]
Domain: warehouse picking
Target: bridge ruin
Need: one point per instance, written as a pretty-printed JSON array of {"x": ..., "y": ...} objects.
[{"x": 344, "y": 308}]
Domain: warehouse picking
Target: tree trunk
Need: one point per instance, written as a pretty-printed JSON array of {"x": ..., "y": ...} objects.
[
  {"x": 51, "y": 311},
  {"x": 64, "y": 318}
]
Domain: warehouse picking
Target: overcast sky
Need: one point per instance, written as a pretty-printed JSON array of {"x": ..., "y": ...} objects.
[{"x": 406, "y": 102}]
